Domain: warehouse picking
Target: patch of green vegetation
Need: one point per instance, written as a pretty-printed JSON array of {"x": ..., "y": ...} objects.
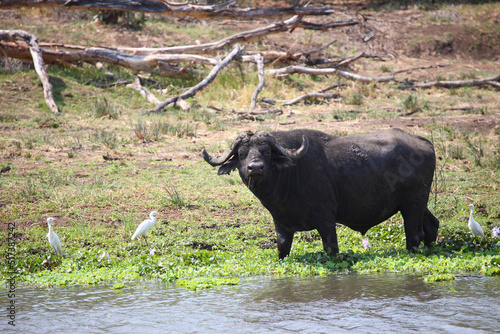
[
  {"x": 201, "y": 283},
  {"x": 118, "y": 286},
  {"x": 213, "y": 235},
  {"x": 439, "y": 278}
]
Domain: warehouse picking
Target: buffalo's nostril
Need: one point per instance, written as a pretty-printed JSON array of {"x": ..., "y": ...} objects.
[{"x": 256, "y": 167}]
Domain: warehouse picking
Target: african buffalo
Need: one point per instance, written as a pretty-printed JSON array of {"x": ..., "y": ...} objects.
[{"x": 310, "y": 180}]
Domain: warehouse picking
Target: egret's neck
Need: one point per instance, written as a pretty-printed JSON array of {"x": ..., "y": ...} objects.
[
  {"x": 471, "y": 211},
  {"x": 50, "y": 227}
]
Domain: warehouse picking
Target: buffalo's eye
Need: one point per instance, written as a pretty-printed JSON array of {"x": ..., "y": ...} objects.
[
  {"x": 267, "y": 153},
  {"x": 243, "y": 154}
]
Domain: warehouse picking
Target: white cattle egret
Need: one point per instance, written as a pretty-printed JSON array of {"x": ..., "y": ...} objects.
[
  {"x": 145, "y": 226},
  {"x": 53, "y": 238},
  {"x": 474, "y": 227}
]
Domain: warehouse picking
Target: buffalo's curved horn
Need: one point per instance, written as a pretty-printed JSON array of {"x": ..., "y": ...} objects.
[
  {"x": 219, "y": 160},
  {"x": 293, "y": 154}
]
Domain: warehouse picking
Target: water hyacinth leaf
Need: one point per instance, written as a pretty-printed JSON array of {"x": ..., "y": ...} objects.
[
  {"x": 201, "y": 283},
  {"x": 118, "y": 286}
]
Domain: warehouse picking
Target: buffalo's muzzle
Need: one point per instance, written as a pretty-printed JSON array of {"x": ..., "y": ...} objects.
[{"x": 255, "y": 168}]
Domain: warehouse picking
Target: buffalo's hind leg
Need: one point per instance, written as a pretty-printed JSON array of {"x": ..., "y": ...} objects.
[
  {"x": 285, "y": 239},
  {"x": 328, "y": 233},
  {"x": 431, "y": 226},
  {"x": 413, "y": 215}
]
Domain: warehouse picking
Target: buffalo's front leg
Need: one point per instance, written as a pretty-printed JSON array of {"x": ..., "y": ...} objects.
[
  {"x": 328, "y": 234},
  {"x": 285, "y": 239}
]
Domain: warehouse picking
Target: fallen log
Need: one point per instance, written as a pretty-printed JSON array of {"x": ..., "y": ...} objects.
[
  {"x": 225, "y": 10},
  {"x": 149, "y": 59}
]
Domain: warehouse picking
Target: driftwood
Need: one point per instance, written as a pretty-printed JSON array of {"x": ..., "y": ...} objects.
[
  {"x": 210, "y": 77},
  {"x": 217, "y": 11},
  {"x": 36, "y": 53}
]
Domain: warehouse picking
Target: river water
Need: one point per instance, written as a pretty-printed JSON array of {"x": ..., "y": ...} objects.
[{"x": 350, "y": 303}]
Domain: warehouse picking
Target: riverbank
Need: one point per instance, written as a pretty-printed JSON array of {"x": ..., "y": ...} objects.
[{"x": 101, "y": 167}]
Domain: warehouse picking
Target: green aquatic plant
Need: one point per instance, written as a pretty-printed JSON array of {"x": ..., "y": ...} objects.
[
  {"x": 118, "y": 286},
  {"x": 201, "y": 283},
  {"x": 439, "y": 278}
]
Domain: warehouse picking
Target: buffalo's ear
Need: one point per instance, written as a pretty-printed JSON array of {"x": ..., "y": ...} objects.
[
  {"x": 229, "y": 166},
  {"x": 281, "y": 162}
]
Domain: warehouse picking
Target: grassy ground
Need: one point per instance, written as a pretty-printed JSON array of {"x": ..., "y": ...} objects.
[{"x": 101, "y": 167}]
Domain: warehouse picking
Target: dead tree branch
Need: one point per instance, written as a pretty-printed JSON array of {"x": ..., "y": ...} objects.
[
  {"x": 318, "y": 94},
  {"x": 36, "y": 54},
  {"x": 283, "y": 72},
  {"x": 67, "y": 54},
  {"x": 338, "y": 62},
  {"x": 136, "y": 85},
  {"x": 225, "y": 10},
  {"x": 259, "y": 60},
  {"x": 210, "y": 77},
  {"x": 453, "y": 84},
  {"x": 419, "y": 68},
  {"x": 282, "y": 56},
  {"x": 242, "y": 37},
  {"x": 309, "y": 96},
  {"x": 149, "y": 59}
]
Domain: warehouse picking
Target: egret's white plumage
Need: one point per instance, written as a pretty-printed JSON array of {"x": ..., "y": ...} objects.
[
  {"x": 474, "y": 227},
  {"x": 53, "y": 238},
  {"x": 145, "y": 226}
]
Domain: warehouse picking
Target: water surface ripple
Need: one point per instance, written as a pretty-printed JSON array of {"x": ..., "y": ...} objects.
[{"x": 338, "y": 304}]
